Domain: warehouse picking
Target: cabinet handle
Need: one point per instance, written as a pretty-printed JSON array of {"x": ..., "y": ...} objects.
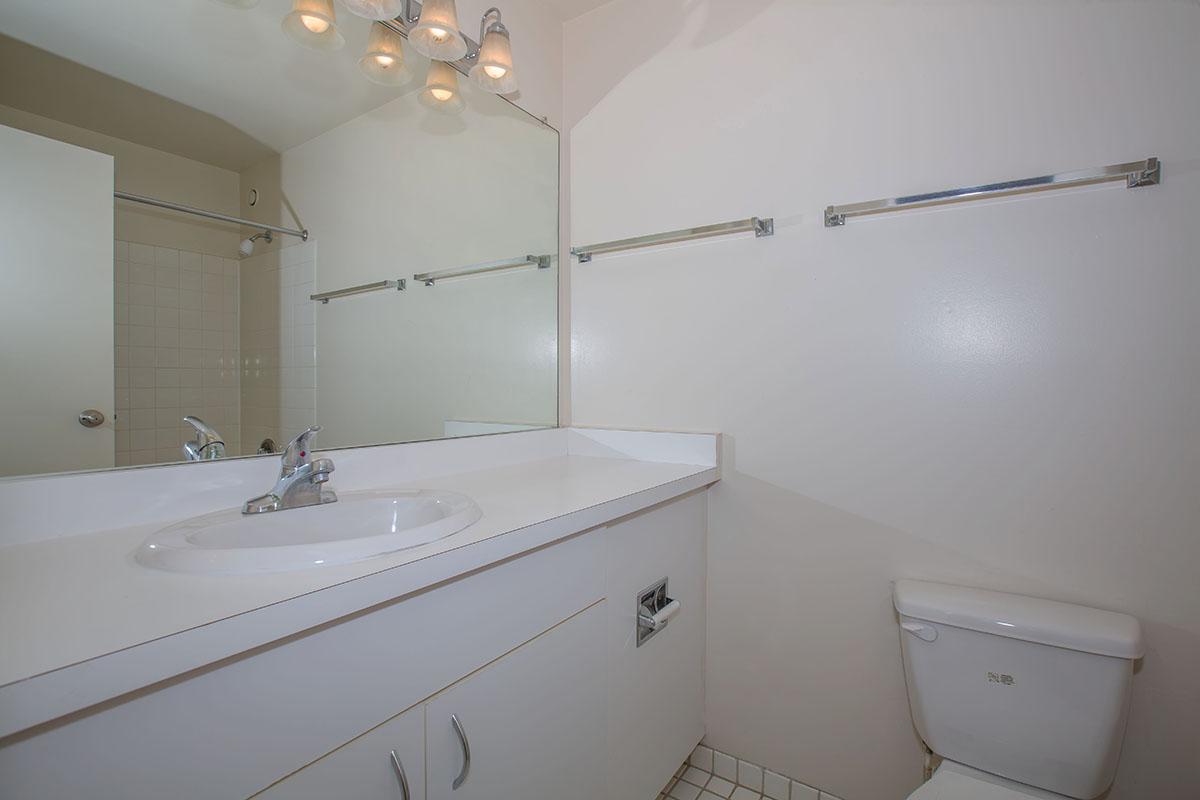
[
  {"x": 466, "y": 748},
  {"x": 400, "y": 776}
]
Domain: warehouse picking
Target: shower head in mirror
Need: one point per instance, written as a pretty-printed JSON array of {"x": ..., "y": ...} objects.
[{"x": 246, "y": 248}]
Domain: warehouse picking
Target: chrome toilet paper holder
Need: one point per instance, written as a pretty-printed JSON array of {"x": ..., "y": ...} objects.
[{"x": 654, "y": 610}]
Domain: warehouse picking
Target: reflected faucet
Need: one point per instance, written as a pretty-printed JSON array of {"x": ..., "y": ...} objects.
[
  {"x": 302, "y": 479},
  {"x": 208, "y": 444}
]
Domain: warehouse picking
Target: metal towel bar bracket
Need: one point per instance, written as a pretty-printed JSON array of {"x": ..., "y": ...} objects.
[{"x": 1134, "y": 173}]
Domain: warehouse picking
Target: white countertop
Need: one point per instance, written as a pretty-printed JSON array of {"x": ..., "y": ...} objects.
[{"x": 80, "y": 605}]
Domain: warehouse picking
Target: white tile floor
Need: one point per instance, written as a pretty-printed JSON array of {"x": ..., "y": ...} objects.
[
  {"x": 710, "y": 775},
  {"x": 693, "y": 783}
]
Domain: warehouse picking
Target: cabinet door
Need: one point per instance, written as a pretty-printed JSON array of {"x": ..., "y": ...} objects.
[
  {"x": 363, "y": 769},
  {"x": 533, "y": 721}
]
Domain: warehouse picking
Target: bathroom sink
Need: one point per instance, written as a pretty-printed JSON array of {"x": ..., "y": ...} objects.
[{"x": 360, "y": 525}]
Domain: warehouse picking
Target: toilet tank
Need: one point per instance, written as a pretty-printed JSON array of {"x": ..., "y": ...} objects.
[{"x": 1033, "y": 690}]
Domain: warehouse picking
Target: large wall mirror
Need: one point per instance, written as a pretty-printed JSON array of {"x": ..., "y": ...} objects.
[{"x": 430, "y": 208}]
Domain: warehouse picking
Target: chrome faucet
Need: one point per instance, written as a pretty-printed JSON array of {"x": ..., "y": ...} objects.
[
  {"x": 208, "y": 444},
  {"x": 302, "y": 479}
]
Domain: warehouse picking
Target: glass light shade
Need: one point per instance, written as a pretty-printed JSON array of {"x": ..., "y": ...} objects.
[
  {"x": 436, "y": 33},
  {"x": 375, "y": 9},
  {"x": 493, "y": 72},
  {"x": 441, "y": 89},
  {"x": 313, "y": 24},
  {"x": 383, "y": 63}
]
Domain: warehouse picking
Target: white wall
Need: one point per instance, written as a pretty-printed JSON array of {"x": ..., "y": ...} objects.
[{"x": 998, "y": 394}]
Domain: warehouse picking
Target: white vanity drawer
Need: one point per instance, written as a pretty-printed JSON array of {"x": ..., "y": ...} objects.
[
  {"x": 363, "y": 769},
  {"x": 230, "y": 731}
]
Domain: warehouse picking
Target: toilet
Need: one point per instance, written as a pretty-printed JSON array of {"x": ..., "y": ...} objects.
[{"x": 1021, "y": 697}]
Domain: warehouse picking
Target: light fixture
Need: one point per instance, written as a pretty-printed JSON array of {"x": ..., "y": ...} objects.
[
  {"x": 436, "y": 33},
  {"x": 383, "y": 63},
  {"x": 493, "y": 71},
  {"x": 313, "y": 24},
  {"x": 441, "y": 89},
  {"x": 374, "y": 9}
]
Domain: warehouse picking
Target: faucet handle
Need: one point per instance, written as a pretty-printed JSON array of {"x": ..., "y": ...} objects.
[
  {"x": 298, "y": 452},
  {"x": 208, "y": 444},
  {"x": 205, "y": 433}
]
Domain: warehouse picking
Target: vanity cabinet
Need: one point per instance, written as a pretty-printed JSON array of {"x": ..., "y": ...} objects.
[
  {"x": 231, "y": 730},
  {"x": 535, "y": 656},
  {"x": 532, "y": 721}
]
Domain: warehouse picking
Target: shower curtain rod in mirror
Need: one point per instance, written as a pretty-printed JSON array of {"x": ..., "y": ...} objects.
[{"x": 200, "y": 212}]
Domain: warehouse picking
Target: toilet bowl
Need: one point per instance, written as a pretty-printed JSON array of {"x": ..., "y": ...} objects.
[{"x": 954, "y": 781}]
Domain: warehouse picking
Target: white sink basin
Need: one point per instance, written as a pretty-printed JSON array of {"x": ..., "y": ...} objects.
[{"x": 359, "y": 525}]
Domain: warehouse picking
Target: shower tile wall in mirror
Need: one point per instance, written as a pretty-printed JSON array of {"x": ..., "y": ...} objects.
[{"x": 147, "y": 314}]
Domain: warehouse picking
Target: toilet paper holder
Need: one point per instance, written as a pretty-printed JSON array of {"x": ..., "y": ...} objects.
[{"x": 654, "y": 610}]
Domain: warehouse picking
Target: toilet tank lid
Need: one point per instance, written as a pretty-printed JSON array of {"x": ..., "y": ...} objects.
[{"x": 1030, "y": 619}]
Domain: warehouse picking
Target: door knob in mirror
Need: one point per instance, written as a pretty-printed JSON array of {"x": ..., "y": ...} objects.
[{"x": 91, "y": 418}]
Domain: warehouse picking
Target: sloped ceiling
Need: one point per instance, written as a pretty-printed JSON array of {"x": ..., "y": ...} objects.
[
  {"x": 569, "y": 9},
  {"x": 229, "y": 65},
  {"x": 42, "y": 83}
]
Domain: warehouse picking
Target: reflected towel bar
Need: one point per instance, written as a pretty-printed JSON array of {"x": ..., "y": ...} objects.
[
  {"x": 325, "y": 297},
  {"x": 761, "y": 226},
  {"x": 1135, "y": 174},
  {"x": 428, "y": 278},
  {"x": 200, "y": 212}
]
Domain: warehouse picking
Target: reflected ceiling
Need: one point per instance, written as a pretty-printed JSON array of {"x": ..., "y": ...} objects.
[{"x": 236, "y": 65}]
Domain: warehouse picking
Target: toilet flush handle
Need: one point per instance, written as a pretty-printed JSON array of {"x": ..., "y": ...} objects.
[{"x": 926, "y": 633}]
